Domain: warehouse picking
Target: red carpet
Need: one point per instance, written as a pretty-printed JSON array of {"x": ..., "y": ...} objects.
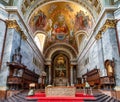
[{"x": 79, "y": 97}]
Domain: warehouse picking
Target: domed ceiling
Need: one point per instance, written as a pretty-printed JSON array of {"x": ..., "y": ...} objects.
[{"x": 60, "y": 21}]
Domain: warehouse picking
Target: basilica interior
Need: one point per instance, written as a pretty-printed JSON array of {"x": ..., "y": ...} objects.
[{"x": 60, "y": 43}]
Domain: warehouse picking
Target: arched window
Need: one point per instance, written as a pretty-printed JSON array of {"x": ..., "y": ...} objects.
[{"x": 40, "y": 40}]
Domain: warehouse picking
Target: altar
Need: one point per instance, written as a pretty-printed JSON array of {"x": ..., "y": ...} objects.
[{"x": 52, "y": 91}]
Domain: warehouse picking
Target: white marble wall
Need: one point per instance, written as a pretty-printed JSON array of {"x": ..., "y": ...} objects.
[
  {"x": 28, "y": 47},
  {"x": 101, "y": 49},
  {"x": 4, "y": 72},
  {"x": 2, "y": 34},
  {"x": 117, "y": 54}
]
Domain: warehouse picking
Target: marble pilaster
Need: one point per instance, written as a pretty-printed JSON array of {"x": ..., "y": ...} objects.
[
  {"x": 99, "y": 40},
  {"x": 49, "y": 66},
  {"x": 71, "y": 75},
  {"x": 4, "y": 72}
]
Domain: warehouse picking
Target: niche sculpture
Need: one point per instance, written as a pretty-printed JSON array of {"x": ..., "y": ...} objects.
[{"x": 109, "y": 65}]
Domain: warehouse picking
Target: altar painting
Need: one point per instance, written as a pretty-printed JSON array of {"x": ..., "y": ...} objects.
[{"x": 60, "y": 66}]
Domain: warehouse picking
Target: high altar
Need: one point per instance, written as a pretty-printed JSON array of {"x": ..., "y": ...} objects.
[{"x": 51, "y": 91}]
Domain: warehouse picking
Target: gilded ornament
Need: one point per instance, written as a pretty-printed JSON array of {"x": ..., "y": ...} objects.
[
  {"x": 99, "y": 35},
  {"x": 108, "y": 24},
  {"x": 13, "y": 24}
]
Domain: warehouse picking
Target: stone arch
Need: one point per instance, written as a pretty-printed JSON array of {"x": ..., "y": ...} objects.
[
  {"x": 40, "y": 38},
  {"x": 79, "y": 35},
  {"x": 61, "y": 48},
  {"x": 80, "y": 2}
]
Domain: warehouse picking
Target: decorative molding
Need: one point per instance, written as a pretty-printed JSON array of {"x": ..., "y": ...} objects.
[
  {"x": 60, "y": 47},
  {"x": 14, "y": 25},
  {"x": 28, "y": 12},
  {"x": 110, "y": 23},
  {"x": 24, "y": 37},
  {"x": 98, "y": 36}
]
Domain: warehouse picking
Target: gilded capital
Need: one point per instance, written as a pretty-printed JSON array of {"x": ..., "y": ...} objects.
[
  {"x": 24, "y": 37},
  {"x": 13, "y": 24},
  {"x": 108, "y": 24},
  {"x": 98, "y": 36}
]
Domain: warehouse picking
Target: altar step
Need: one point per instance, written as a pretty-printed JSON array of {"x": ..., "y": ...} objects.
[
  {"x": 105, "y": 98},
  {"x": 21, "y": 97}
]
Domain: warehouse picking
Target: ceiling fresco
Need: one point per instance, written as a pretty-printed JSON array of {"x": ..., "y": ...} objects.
[{"x": 60, "y": 21}]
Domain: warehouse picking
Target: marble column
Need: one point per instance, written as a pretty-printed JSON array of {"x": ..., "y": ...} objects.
[
  {"x": 71, "y": 75},
  {"x": 74, "y": 75},
  {"x": 99, "y": 40},
  {"x": 49, "y": 74}
]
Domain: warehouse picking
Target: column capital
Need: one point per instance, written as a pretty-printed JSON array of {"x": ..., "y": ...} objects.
[
  {"x": 109, "y": 23},
  {"x": 14, "y": 25}
]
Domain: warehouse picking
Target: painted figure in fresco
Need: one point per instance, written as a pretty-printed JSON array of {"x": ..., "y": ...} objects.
[
  {"x": 48, "y": 28},
  {"x": 40, "y": 20},
  {"x": 82, "y": 21},
  {"x": 60, "y": 28},
  {"x": 79, "y": 20}
]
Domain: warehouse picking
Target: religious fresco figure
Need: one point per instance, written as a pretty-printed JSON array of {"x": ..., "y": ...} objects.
[
  {"x": 82, "y": 21},
  {"x": 60, "y": 28},
  {"x": 48, "y": 28},
  {"x": 40, "y": 20}
]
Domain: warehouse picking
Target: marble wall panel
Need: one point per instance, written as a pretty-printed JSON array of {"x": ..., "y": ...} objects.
[
  {"x": 3, "y": 13},
  {"x": 26, "y": 51},
  {"x": 107, "y": 48},
  {"x": 2, "y": 36},
  {"x": 115, "y": 54},
  {"x": 4, "y": 72}
]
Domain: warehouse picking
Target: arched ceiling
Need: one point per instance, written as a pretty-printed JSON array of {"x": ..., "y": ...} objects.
[
  {"x": 94, "y": 6},
  {"x": 61, "y": 19}
]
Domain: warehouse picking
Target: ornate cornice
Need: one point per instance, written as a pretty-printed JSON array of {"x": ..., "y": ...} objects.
[
  {"x": 110, "y": 23},
  {"x": 98, "y": 36},
  {"x": 14, "y": 25}
]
